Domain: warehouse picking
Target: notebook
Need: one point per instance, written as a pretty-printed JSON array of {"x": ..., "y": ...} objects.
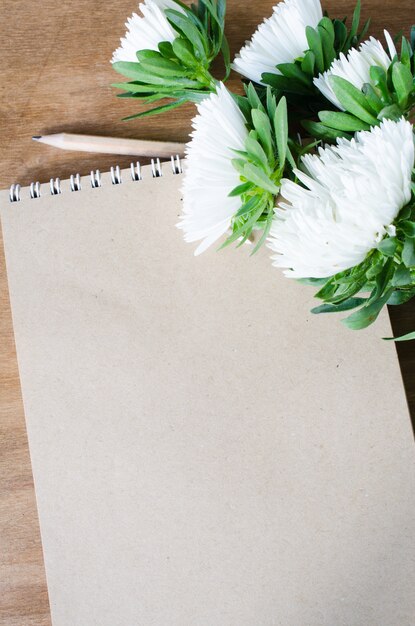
[{"x": 205, "y": 451}]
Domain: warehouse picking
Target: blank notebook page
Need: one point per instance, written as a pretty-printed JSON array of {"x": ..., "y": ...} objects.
[{"x": 205, "y": 451}]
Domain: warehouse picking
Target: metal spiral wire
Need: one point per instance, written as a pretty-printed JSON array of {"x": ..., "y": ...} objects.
[{"x": 95, "y": 177}]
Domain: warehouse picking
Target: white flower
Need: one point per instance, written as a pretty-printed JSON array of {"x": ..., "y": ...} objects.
[
  {"x": 147, "y": 31},
  {"x": 352, "y": 193},
  {"x": 355, "y": 68},
  {"x": 279, "y": 39},
  {"x": 219, "y": 128}
]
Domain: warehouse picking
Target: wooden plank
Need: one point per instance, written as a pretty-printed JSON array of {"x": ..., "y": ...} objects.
[{"x": 56, "y": 76}]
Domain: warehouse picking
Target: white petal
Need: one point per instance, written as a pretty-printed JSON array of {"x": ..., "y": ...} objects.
[
  {"x": 279, "y": 39},
  {"x": 354, "y": 68},
  {"x": 219, "y": 128},
  {"x": 145, "y": 32},
  {"x": 354, "y": 192}
]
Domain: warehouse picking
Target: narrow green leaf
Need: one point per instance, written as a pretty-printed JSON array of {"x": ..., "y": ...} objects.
[
  {"x": 403, "y": 82},
  {"x": 390, "y": 112},
  {"x": 262, "y": 126},
  {"x": 271, "y": 103},
  {"x": 293, "y": 71},
  {"x": 249, "y": 206},
  {"x": 342, "y": 121},
  {"x": 408, "y": 337},
  {"x": 372, "y": 98},
  {"x": 406, "y": 53},
  {"x": 264, "y": 235},
  {"x": 408, "y": 252},
  {"x": 259, "y": 178},
  {"x": 166, "y": 49},
  {"x": 183, "y": 50},
  {"x": 240, "y": 189},
  {"x": 352, "y": 100},
  {"x": 284, "y": 84},
  {"x": 379, "y": 78},
  {"x": 308, "y": 63},
  {"x": 161, "y": 109},
  {"x": 402, "y": 277},
  {"x": 256, "y": 153},
  {"x": 326, "y": 33},
  {"x": 388, "y": 246},
  {"x": 253, "y": 97},
  {"x": 281, "y": 131},
  {"x": 401, "y": 296},
  {"x": 347, "y": 305},
  {"x": 367, "y": 314},
  {"x": 188, "y": 29},
  {"x": 340, "y": 31},
  {"x": 408, "y": 228},
  {"x": 315, "y": 45},
  {"x": 319, "y": 130}
]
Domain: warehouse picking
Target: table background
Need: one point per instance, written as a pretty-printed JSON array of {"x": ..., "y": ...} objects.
[{"x": 56, "y": 76}]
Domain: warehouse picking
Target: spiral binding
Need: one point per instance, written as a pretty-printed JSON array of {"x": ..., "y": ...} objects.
[{"x": 96, "y": 179}]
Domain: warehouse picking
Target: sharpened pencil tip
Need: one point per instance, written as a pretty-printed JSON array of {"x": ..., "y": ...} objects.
[{"x": 37, "y": 137}]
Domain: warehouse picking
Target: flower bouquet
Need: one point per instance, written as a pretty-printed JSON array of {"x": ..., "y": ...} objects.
[{"x": 317, "y": 156}]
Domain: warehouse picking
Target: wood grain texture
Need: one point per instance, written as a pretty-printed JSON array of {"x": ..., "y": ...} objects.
[{"x": 56, "y": 76}]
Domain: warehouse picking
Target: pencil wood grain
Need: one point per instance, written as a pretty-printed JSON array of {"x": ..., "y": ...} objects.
[{"x": 55, "y": 77}]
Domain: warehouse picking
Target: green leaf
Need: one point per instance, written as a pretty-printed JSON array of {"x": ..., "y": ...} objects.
[
  {"x": 407, "y": 337},
  {"x": 262, "y": 126},
  {"x": 240, "y": 190},
  {"x": 390, "y": 112},
  {"x": 256, "y": 152},
  {"x": 163, "y": 67},
  {"x": 253, "y": 98},
  {"x": 326, "y": 32},
  {"x": 308, "y": 63},
  {"x": 351, "y": 303},
  {"x": 352, "y": 99},
  {"x": 245, "y": 229},
  {"x": 314, "y": 282},
  {"x": 293, "y": 71},
  {"x": 166, "y": 49},
  {"x": 184, "y": 52},
  {"x": 249, "y": 206},
  {"x": 401, "y": 296},
  {"x": 372, "y": 98},
  {"x": 388, "y": 246},
  {"x": 161, "y": 109},
  {"x": 188, "y": 29},
  {"x": 315, "y": 45},
  {"x": 226, "y": 55},
  {"x": 408, "y": 252},
  {"x": 367, "y": 314},
  {"x": 342, "y": 121},
  {"x": 257, "y": 176},
  {"x": 402, "y": 277},
  {"x": 265, "y": 233},
  {"x": 271, "y": 103},
  {"x": 406, "y": 53},
  {"x": 355, "y": 25},
  {"x": 284, "y": 84},
  {"x": 340, "y": 31},
  {"x": 408, "y": 228},
  {"x": 316, "y": 129},
  {"x": 403, "y": 82},
  {"x": 379, "y": 78},
  {"x": 281, "y": 131}
]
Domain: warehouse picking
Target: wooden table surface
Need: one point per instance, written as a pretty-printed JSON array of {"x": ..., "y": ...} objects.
[{"x": 55, "y": 76}]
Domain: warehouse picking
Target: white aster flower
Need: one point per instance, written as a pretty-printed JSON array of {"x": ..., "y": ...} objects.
[
  {"x": 219, "y": 128},
  {"x": 147, "y": 31},
  {"x": 279, "y": 39},
  {"x": 352, "y": 193},
  {"x": 355, "y": 67}
]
